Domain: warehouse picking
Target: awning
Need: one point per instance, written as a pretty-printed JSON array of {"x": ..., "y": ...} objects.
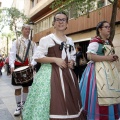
[{"x": 82, "y": 40}]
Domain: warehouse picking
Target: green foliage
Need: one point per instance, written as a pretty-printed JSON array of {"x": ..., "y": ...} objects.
[
  {"x": 100, "y": 4},
  {"x": 78, "y": 7},
  {"x": 9, "y": 35},
  {"x": 10, "y": 17}
]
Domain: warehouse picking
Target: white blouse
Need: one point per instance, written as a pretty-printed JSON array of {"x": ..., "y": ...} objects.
[
  {"x": 48, "y": 41},
  {"x": 93, "y": 47}
]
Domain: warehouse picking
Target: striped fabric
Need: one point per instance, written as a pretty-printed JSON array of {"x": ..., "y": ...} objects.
[{"x": 88, "y": 91}]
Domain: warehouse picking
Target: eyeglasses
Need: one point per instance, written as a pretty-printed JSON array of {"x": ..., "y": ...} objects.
[
  {"x": 61, "y": 20},
  {"x": 107, "y": 27}
]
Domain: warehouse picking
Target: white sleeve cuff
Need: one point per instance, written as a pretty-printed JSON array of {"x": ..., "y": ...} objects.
[{"x": 33, "y": 62}]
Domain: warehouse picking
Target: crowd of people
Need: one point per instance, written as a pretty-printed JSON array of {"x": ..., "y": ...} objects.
[{"x": 67, "y": 85}]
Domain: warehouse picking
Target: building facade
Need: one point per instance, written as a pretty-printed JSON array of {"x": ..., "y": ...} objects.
[
  {"x": 22, "y": 5},
  {"x": 81, "y": 29}
]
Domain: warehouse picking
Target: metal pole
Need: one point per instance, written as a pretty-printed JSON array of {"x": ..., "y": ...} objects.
[{"x": 31, "y": 35}]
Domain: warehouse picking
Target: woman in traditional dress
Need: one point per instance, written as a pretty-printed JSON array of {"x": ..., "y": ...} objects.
[
  {"x": 100, "y": 82},
  {"x": 54, "y": 94}
]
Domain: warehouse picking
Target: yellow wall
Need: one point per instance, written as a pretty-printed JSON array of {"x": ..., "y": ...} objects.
[{"x": 79, "y": 36}]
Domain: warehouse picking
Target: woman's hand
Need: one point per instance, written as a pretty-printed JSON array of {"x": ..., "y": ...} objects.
[
  {"x": 30, "y": 65},
  {"x": 60, "y": 62},
  {"x": 71, "y": 64},
  {"x": 116, "y": 58},
  {"x": 98, "y": 58},
  {"x": 112, "y": 58}
]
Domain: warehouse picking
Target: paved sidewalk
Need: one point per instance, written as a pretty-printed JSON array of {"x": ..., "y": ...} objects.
[{"x": 7, "y": 99}]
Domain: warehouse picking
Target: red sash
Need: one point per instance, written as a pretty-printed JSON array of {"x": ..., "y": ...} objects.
[{"x": 22, "y": 64}]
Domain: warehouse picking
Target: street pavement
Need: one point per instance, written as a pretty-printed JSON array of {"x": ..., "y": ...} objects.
[{"x": 7, "y": 99}]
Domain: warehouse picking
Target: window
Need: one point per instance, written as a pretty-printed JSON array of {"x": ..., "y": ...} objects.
[
  {"x": 45, "y": 23},
  {"x": 50, "y": 20},
  {"x": 35, "y": 30},
  {"x": 36, "y": 27},
  {"x": 32, "y": 3}
]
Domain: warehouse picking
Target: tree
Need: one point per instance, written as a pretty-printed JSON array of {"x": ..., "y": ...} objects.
[
  {"x": 11, "y": 17},
  {"x": 113, "y": 18},
  {"x": 84, "y": 6},
  {"x": 78, "y": 6},
  {"x": 7, "y": 36}
]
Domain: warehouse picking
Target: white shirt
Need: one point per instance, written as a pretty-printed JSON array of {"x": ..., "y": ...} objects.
[
  {"x": 47, "y": 42},
  {"x": 13, "y": 51}
]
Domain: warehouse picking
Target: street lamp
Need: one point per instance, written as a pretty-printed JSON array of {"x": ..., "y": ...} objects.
[{"x": 31, "y": 27}]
